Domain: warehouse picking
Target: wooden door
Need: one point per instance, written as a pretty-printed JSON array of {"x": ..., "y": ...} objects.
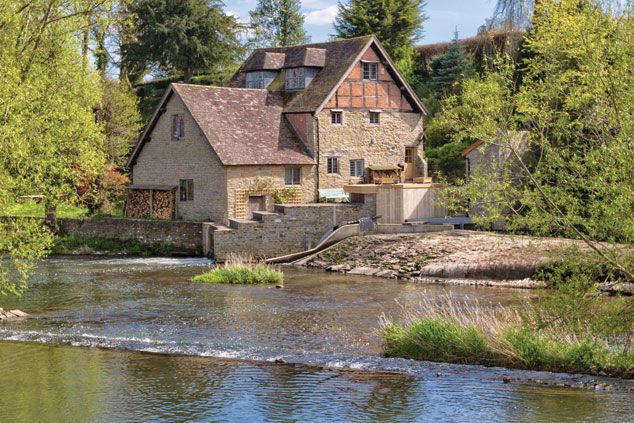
[
  {"x": 408, "y": 171},
  {"x": 256, "y": 203}
]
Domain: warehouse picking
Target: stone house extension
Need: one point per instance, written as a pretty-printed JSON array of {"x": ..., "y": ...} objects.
[{"x": 306, "y": 117}]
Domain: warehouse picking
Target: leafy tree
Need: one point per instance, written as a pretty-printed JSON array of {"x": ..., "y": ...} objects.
[
  {"x": 398, "y": 24},
  {"x": 278, "y": 23},
  {"x": 47, "y": 124},
  {"x": 181, "y": 36},
  {"x": 450, "y": 69},
  {"x": 576, "y": 106}
]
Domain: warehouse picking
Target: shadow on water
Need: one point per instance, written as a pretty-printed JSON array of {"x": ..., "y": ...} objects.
[{"x": 217, "y": 345}]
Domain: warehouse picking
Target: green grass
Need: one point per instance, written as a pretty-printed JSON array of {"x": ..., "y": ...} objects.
[
  {"x": 80, "y": 244},
  {"x": 31, "y": 208},
  {"x": 240, "y": 271},
  {"x": 476, "y": 337}
]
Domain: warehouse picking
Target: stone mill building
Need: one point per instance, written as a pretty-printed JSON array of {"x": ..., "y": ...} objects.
[{"x": 310, "y": 117}]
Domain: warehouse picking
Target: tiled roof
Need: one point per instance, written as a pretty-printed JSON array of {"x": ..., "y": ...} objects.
[
  {"x": 243, "y": 126},
  {"x": 339, "y": 57}
]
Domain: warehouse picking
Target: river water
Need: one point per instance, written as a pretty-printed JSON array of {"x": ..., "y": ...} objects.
[{"x": 132, "y": 340}]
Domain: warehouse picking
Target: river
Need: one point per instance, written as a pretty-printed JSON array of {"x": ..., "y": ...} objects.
[{"x": 131, "y": 339}]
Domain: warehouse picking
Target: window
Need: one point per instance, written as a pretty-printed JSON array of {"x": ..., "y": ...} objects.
[
  {"x": 335, "y": 118},
  {"x": 187, "y": 189},
  {"x": 178, "y": 126},
  {"x": 293, "y": 176},
  {"x": 374, "y": 118},
  {"x": 333, "y": 165},
  {"x": 294, "y": 79},
  {"x": 370, "y": 70},
  {"x": 356, "y": 167},
  {"x": 409, "y": 155},
  {"x": 255, "y": 80}
]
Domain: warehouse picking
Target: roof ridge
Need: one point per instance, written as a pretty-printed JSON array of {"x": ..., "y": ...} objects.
[
  {"x": 218, "y": 86},
  {"x": 312, "y": 44}
]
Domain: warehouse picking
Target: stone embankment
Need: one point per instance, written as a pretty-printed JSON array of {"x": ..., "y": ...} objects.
[
  {"x": 13, "y": 314},
  {"x": 457, "y": 257}
]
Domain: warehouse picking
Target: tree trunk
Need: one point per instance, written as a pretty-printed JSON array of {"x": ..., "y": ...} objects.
[{"x": 189, "y": 73}]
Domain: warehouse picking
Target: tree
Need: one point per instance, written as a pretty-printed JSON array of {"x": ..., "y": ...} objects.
[
  {"x": 47, "y": 124},
  {"x": 181, "y": 36},
  {"x": 576, "y": 106},
  {"x": 450, "y": 69},
  {"x": 396, "y": 23},
  {"x": 278, "y": 23}
]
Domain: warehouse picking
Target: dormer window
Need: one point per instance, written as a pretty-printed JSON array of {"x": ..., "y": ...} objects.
[
  {"x": 255, "y": 80},
  {"x": 295, "y": 79},
  {"x": 370, "y": 70}
]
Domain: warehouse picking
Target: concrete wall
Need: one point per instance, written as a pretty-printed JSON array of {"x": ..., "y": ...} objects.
[
  {"x": 184, "y": 234},
  {"x": 294, "y": 228},
  {"x": 163, "y": 161}
]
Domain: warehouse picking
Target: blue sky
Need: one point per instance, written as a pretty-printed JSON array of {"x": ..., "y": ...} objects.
[{"x": 444, "y": 17}]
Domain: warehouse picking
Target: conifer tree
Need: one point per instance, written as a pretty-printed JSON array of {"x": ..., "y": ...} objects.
[
  {"x": 278, "y": 23},
  {"x": 182, "y": 36},
  {"x": 450, "y": 69},
  {"x": 396, "y": 23}
]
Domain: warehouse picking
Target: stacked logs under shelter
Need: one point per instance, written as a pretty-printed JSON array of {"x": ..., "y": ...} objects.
[{"x": 155, "y": 201}]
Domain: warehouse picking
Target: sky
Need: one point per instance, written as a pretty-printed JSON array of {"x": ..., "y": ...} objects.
[{"x": 444, "y": 16}]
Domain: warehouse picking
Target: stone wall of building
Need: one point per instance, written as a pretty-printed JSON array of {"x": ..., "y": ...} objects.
[
  {"x": 164, "y": 161},
  {"x": 183, "y": 234},
  {"x": 245, "y": 177},
  {"x": 292, "y": 228},
  {"x": 356, "y": 138}
]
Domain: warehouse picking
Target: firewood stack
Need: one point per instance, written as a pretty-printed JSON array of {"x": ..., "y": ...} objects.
[
  {"x": 163, "y": 205},
  {"x": 138, "y": 203}
]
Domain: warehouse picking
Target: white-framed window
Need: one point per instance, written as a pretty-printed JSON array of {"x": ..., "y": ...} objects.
[
  {"x": 332, "y": 165},
  {"x": 374, "y": 118},
  {"x": 255, "y": 80},
  {"x": 178, "y": 126},
  {"x": 356, "y": 167},
  {"x": 294, "y": 79},
  {"x": 186, "y": 188},
  {"x": 293, "y": 176},
  {"x": 370, "y": 70},
  {"x": 336, "y": 118}
]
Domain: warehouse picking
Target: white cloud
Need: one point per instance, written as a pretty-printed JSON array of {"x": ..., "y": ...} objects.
[
  {"x": 321, "y": 17},
  {"x": 316, "y": 4}
]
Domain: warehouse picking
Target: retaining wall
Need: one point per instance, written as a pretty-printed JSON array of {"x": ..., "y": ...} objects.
[
  {"x": 292, "y": 228},
  {"x": 178, "y": 233}
]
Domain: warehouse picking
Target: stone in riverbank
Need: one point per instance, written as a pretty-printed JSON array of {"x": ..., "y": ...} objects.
[
  {"x": 12, "y": 314},
  {"x": 458, "y": 257}
]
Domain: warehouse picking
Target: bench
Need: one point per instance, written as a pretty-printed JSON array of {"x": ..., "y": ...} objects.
[
  {"x": 423, "y": 180},
  {"x": 333, "y": 194}
]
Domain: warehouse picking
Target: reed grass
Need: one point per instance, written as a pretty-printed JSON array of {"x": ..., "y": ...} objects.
[
  {"x": 241, "y": 270},
  {"x": 466, "y": 333}
]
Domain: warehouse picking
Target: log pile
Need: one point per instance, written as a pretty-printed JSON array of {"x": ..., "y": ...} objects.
[
  {"x": 163, "y": 204},
  {"x": 155, "y": 203},
  {"x": 138, "y": 203}
]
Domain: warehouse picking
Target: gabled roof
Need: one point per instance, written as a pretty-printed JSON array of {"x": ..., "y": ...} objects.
[
  {"x": 243, "y": 126},
  {"x": 471, "y": 148},
  {"x": 340, "y": 57}
]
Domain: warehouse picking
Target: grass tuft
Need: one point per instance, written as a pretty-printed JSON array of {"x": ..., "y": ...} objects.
[
  {"x": 240, "y": 270},
  {"x": 458, "y": 332}
]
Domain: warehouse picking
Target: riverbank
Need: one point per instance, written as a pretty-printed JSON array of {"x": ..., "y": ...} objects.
[{"x": 458, "y": 258}]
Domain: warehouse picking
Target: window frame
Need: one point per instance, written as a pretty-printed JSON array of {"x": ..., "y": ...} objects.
[
  {"x": 336, "y": 115},
  {"x": 186, "y": 190},
  {"x": 367, "y": 68},
  {"x": 255, "y": 80},
  {"x": 377, "y": 116},
  {"x": 178, "y": 126},
  {"x": 332, "y": 165},
  {"x": 295, "y": 174},
  {"x": 409, "y": 156},
  {"x": 355, "y": 170},
  {"x": 295, "y": 77}
]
